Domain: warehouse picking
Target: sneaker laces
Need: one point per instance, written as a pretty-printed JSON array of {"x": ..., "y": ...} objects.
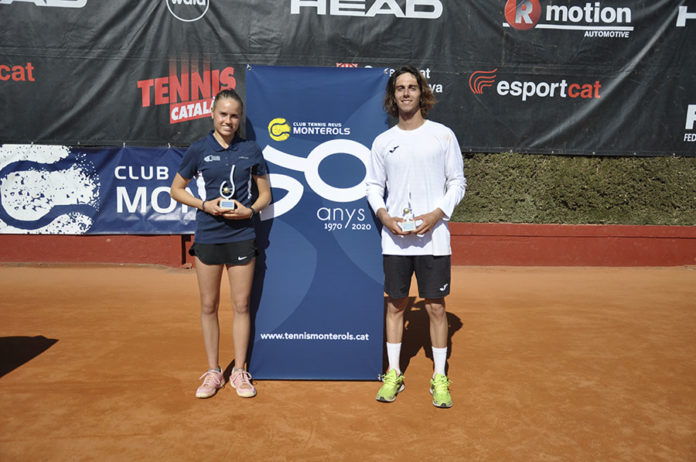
[
  {"x": 441, "y": 383},
  {"x": 211, "y": 378},
  {"x": 390, "y": 379},
  {"x": 242, "y": 379}
]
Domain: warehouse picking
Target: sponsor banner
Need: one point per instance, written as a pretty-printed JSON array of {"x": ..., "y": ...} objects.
[
  {"x": 51, "y": 189},
  {"x": 315, "y": 127},
  {"x": 144, "y": 73}
]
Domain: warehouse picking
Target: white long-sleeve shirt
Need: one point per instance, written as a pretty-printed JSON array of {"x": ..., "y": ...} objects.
[{"x": 420, "y": 169}]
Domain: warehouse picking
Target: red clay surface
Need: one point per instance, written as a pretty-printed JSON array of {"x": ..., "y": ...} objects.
[{"x": 547, "y": 364}]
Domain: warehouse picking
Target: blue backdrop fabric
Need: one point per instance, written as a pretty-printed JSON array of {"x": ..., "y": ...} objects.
[
  {"x": 318, "y": 300},
  {"x": 52, "y": 189}
]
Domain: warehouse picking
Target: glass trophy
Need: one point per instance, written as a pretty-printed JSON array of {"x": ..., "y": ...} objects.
[
  {"x": 227, "y": 192},
  {"x": 408, "y": 224}
]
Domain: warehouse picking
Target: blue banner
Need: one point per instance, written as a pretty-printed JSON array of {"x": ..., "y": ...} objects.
[
  {"x": 319, "y": 288},
  {"x": 50, "y": 189}
]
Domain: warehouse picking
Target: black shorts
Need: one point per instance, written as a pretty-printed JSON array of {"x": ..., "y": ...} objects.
[
  {"x": 229, "y": 253},
  {"x": 433, "y": 274}
]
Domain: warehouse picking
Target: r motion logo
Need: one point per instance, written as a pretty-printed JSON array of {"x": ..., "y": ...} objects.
[
  {"x": 528, "y": 89},
  {"x": 188, "y": 92},
  {"x": 592, "y": 18},
  {"x": 53, "y": 3},
  {"x": 522, "y": 14},
  {"x": 188, "y": 10}
]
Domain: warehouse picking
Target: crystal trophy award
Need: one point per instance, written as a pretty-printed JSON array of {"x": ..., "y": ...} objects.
[
  {"x": 408, "y": 224},
  {"x": 227, "y": 192}
]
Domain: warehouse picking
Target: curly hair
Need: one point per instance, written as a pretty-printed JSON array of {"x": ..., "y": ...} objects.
[{"x": 427, "y": 99}]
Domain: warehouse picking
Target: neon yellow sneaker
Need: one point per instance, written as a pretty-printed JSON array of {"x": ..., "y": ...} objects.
[
  {"x": 439, "y": 388},
  {"x": 393, "y": 383}
]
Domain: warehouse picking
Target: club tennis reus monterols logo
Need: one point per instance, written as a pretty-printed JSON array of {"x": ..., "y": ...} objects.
[
  {"x": 278, "y": 129},
  {"x": 188, "y": 10},
  {"x": 480, "y": 80},
  {"x": 522, "y": 14}
]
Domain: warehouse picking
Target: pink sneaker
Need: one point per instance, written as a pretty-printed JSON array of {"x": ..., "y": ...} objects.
[
  {"x": 212, "y": 383},
  {"x": 241, "y": 381}
]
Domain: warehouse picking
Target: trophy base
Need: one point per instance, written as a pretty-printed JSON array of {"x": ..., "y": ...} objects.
[
  {"x": 407, "y": 226},
  {"x": 228, "y": 204}
]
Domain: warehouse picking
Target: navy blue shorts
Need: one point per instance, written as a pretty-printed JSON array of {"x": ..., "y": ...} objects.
[{"x": 229, "y": 253}]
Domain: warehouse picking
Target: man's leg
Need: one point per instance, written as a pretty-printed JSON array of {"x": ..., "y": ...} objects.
[
  {"x": 439, "y": 385},
  {"x": 433, "y": 275},
  {"x": 393, "y": 380},
  {"x": 397, "y": 280},
  {"x": 395, "y": 330},
  {"x": 438, "y": 329}
]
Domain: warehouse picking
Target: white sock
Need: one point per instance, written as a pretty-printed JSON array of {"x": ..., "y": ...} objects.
[
  {"x": 394, "y": 354},
  {"x": 439, "y": 358}
]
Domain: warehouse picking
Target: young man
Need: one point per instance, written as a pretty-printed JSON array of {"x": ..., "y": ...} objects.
[{"x": 415, "y": 179}]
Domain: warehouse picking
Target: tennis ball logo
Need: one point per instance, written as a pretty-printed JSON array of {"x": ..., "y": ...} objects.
[{"x": 279, "y": 129}]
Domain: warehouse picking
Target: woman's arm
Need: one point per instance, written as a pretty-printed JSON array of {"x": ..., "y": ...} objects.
[{"x": 179, "y": 193}]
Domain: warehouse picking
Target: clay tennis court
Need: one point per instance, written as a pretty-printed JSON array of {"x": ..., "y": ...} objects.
[{"x": 547, "y": 364}]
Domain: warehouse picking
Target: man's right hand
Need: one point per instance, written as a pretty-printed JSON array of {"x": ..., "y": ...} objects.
[{"x": 391, "y": 223}]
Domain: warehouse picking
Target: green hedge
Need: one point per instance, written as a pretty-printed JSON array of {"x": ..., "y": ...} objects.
[{"x": 527, "y": 188}]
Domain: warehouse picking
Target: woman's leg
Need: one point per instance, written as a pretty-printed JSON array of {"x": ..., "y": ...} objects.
[
  {"x": 241, "y": 278},
  {"x": 209, "y": 288}
]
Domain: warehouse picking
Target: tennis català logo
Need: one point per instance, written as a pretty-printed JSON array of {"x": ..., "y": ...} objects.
[
  {"x": 53, "y": 3},
  {"x": 188, "y": 10},
  {"x": 526, "y": 90},
  {"x": 594, "y": 19},
  {"x": 279, "y": 129},
  {"x": 189, "y": 93},
  {"x": 415, "y": 9}
]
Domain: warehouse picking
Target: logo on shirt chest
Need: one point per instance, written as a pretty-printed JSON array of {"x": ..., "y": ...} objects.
[{"x": 211, "y": 158}]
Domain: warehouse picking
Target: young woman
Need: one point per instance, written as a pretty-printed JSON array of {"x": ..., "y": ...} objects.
[{"x": 225, "y": 236}]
